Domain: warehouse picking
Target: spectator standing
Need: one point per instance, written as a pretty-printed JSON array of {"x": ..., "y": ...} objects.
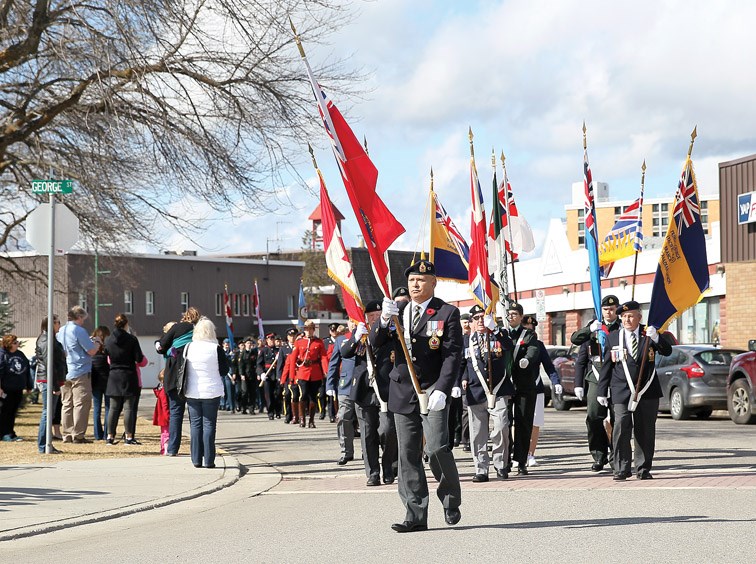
[
  {"x": 76, "y": 393},
  {"x": 206, "y": 363},
  {"x": 15, "y": 379},
  {"x": 124, "y": 354},
  {"x": 43, "y": 379},
  {"x": 100, "y": 372}
]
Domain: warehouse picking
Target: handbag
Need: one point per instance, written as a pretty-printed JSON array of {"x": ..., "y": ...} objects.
[{"x": 181, "y": 379}]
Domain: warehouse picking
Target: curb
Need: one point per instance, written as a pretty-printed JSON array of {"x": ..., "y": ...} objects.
[{"x": 231, "y": 473}]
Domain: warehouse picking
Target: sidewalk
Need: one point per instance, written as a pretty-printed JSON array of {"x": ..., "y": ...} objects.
[{"x": 39, "y": 498}]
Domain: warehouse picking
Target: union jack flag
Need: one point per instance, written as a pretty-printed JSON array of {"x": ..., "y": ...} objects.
[
  {"x": 591, "y": 243},
  {"x": 687, "y": 208}
]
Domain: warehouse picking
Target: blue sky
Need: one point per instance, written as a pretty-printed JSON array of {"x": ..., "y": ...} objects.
[{"x": 524, "y": 74}]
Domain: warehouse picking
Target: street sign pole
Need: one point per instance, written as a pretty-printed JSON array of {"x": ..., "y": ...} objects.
[{"x": 51, "y": 376}]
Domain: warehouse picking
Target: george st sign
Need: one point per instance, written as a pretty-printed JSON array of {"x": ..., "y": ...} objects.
[{"x": 52, "y": 186}]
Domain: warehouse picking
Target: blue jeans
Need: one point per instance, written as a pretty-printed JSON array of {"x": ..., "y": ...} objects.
[
  {"x": 97, "y": 397},
  {"x": 203, "y": 416},
  {"x": 176, "y": 408},
  {"x": 228, "y": 386},
  {"x": 42, "y": 434}
]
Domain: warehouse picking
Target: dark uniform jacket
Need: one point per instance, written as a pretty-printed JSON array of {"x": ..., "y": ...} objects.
[
  {"x": 501, "y": 348},
  {"x": 265, "y": 360},
  {"x": 437, "y": 367},
  {"x": 362, "y": 391},
  {"x": 525, "y": 345},
  {"x": 613, "y": 373},
  {"x": 340, "y": 375},
  {"x": 283, "y": 354},
  {"x": 589, "y": 353}
]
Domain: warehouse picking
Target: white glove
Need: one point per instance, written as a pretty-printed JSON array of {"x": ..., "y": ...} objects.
[
  {"x": 389, "y": 309},
  {"x": 361, "y": 331},
  {"x": 579, "y": 393},
  {"x": 489, "y": 322},
  {"x": 603, "y": 401},
  {"x": 595, "y": 325},
  {"x": 263, "y": 377},
  {"x": 437, "y": 401},
  {"x": 330, "y": 393},
  {"x": 456, "y": 392},
  {"x": 558, "y": 389},
  {"x": 652, "y": 333},
  {"x": 524, "y": 362}
]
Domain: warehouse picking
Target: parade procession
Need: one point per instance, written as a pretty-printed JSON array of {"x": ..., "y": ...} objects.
[{"x": 193, "y": 367}]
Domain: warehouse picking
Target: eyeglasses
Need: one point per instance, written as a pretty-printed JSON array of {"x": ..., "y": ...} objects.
[
  {"x": 15, "y": 342},
  {"x": 477, "y": 317}
]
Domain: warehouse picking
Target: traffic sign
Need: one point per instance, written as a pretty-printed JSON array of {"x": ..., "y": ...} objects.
[
  {"x": 52, "y": 186},
  {"x": 38, "y": 229}
]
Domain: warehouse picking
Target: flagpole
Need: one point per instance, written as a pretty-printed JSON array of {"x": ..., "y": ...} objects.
[
  {"x": 509, "y": 222},
  {"x": 640, "y": 218},
  {"x": 431, "y": 219}
]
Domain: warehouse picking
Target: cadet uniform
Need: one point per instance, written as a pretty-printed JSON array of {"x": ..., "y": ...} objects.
[
  {"x": 282, "y": 376},
  {"x": 433, "y": 334},
  {"x": 587, "y": 369},
  {"x": 265, "y": 359},
  {"x": 619, "y": 373}
]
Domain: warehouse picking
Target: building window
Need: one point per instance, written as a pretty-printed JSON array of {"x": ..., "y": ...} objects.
[
  {"x": 705, "y": 216},
  {"x": 660, "y": 219},
  {"x": 83, "y": 300},
  {"x": 149, "y": 302},
  {"x": 245, "y": 304},
  {"x": 218, "y": 305},
  {"x": 184, "y": 301},
  {"x": 581, "y": 227},
  {"x": 290, "y": 306},
  {"x": 128, "y": 302},
  {"x": 235, "y": 302},
  {"x": 4, "y": 300}
]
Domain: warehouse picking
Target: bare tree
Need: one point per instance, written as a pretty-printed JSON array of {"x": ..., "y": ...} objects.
[{"x": 150, "y": 103}]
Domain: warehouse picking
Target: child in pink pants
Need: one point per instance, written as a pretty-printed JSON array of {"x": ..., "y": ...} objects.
[{"x": 161, "y": 417}]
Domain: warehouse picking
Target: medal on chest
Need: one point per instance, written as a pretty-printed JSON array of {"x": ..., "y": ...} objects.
[{"x": 435, "y": 330}]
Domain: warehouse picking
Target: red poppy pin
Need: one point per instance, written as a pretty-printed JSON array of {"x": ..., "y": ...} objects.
[{"x": 430, "y": 311}]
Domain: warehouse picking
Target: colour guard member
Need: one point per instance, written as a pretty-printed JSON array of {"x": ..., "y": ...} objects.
[
  {"x": 325, "y": 402},
  {"x": 634, "y": 415},
  {"x": 488, "y": 388},
  {"x": 339, "y": 385},
  {"x": 460, "y": 434},
  {"x": 524, "y": 374},
  {"x": 266, "y": 371},
  {"x": 433, "y": 336},
  {"x": 282, "y": 375},
  {"x": 401, "y": 295},
  {"x": 308, "y": 370},
  {"x": 587, "y": 369}
]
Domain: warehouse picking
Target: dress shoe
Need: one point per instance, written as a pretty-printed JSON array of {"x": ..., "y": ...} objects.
[
  {"x": 465, "y": 447},
  {"x": 332, "y": 419},
  {"x": 68, "y": 439},
  {"x": 373, "y": 481},
  {"x": 452, "y": 516},
  {"x": 522, "y": 470},
  {"x": 644, "y": 475},
  {"x": 480, "y": 478},
  {"x": 597, "y": 467},
  {"x": 502, "y": 474},
  {"x": 409, "y": 527},
  {"x": 619, "y": 477},
  {"x": 344, "y": 459},
  {"x": 388, "y": 480},
  {"x": 321, "y": 416}
]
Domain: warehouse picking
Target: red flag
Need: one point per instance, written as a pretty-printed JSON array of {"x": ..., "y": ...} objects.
[
  {"x": 478, "y": 276},
  {"x": 229, "y": 320},
  {"x": 256, "y": 303},
  {"x": 337, "y": 259},
  {"x": 378, "y": 226}
]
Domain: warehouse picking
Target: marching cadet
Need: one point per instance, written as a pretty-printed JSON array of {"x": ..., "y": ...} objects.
[
  {"x": 433, "y": 336},
  {"x": 524, "y": 374},
  {"x": 282, "y": 375},
  {"x": 236, "y": 370},
  {"x": 621, "y": 373},
  {"x": 325, "y": 402},
  {"x": 339, "y": 384},
  {"x": 266, "y": 359},
  {"x": 308, "y": 370},
  {"x": 253, "y": 379},
  {"x": 587, "y": 369},
  {"x": 487, "y": 392}
]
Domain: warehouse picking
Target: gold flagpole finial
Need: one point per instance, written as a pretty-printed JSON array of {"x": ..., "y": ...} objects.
[
  {"x": 225, "y": 286},
  {"x": 493, "y": 158},
  {"x": 503, "y": 160},
  {"x": 643, "y": 174},
  {"x": 470, "y": 136},
  {"x": 693, "y": 136},
  {"x": 431, "y": 179},
  {"x": 312, "y": 155},
  {"x": 585, "y": 141},
  {"x": 364, "y": 142},
  {"x": 296, "y": 38}
]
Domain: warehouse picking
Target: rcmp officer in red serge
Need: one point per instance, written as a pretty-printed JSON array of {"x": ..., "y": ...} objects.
[
  {"x": 433, "y": 335},
  {"x": 622, "y": 360},
  {"x": 587, "y": 368}
]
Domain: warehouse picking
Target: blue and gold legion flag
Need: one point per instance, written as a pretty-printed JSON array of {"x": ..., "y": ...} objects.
[
  {"x": 683, "y": 272},
  {"x": 448, "y": 249}
]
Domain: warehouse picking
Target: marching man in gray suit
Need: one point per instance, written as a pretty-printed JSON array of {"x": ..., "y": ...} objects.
[{"x": 433, "y": 335}]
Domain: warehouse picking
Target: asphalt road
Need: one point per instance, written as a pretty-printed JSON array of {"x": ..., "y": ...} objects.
[{"x": 295, "y": 504}]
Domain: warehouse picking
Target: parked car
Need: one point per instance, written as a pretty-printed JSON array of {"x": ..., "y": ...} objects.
[
  {"x": 741, "y": 383},
  {"x": 694, "y": 379},
  {"x": 555, "y": 352},
  {"x": 564, "y": 363}
]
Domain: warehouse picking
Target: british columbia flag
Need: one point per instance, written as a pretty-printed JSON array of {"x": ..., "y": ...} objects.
[{"x": 625, "y": 238}]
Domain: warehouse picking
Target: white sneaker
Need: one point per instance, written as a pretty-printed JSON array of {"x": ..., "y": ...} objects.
[{"x": 531, "y": 461}]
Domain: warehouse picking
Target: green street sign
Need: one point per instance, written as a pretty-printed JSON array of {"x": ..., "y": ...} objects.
[{"x": 52, "y": 186}]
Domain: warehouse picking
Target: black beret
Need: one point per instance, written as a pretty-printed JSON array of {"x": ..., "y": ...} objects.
[
  {"x": 421, "y": 267},
  {"x": 632, "y": 305},
  {"x": 609, "y": 300},
  {"x": 399, "y": 292},
  {"x": 464, "y": 317},
  {"x": 333, "y": 326},
  {"x": 291, "y": 331},
  {"x": 372, "y": 306},
  {"x": 514, "y": 306},
  {"x": 475, "y": 310},
  {"x": 530, "y": 319}
]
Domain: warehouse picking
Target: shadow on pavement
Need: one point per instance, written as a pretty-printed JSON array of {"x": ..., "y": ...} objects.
[
  {"x": 10, "y": 497},
  {"x": 612, "y": 522}
]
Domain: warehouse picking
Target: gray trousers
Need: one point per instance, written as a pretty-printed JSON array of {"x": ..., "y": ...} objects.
[
  {"x": 345, "y": 425},
  {"x": 641, "y": 427},
  {"x": 387, "y": 436},
  {"x": 598, "y": 442},
  {"x": 413, "y": 486},
  {"x": 369, "y": 421},
  {"x": 479, "y": 422}
]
